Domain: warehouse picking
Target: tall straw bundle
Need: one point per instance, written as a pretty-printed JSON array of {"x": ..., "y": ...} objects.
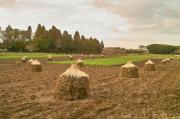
[
  {"x": 129, "y": 70},
  {"x": 23, "y": 60},
  {"x": 18, "y": 63},
  {"x": 70, "y": 57},
  {"x": 149, "y": 66},
  {"x": 26, "y": 57},
  {"x": 30, "y": 61},
  {"x": 50, "y": 58},
  {"x": 102, "y": 56},
  {"x": 73, "y": 84},
  {"x": 92, "y": 56},
  {"x": 171, "y": 58},
  {"x": 164, "y": 61},
  {"x": 80, "y": 63},
  {"x": 36, "y": 66},
  {"x": 82, "y": 55},
  {"x": 168, "y": 60}
]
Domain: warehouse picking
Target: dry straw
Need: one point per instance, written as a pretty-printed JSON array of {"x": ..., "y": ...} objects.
[
  {"x": 102, "y": 56},
  {"x": 92, "y": 56},
  {"x": 171, "y": 58},
  {"x": 73, "y": 84},
  {"x": 70, "y": 57},
  {"x": 149, "y": 66},
  {"x": 18, "y": 63},
  {"x": 30, "y": 61},
  {"x": 36, "y": 66},
  {"x": 24, "y": 59},
  {"x": 82, "y": 55},
  {"x": 129, "y": 70},
  {"x": 50, "y": 58},
  {"x": 80, "y": 63},
  {"x": 166, "y": 61}
]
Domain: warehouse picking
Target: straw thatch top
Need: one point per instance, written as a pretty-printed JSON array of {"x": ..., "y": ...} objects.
[
  {"x": 35, "y": 62},
  {"x": 23, "y": 58},
  {"x": 73, "y": 71},
  {"x": 164, "y": 60},
  {"x": 31, "y": 60},
  {"x": 129, "y": 64},
  {"x": 167, "y": 59},
  {"x": 149, "y": 62},
  {"x": 69, "y": 55},
  {"x": 79, "y": 61},
  {"x": 81, "y": 54},
  {"x": 49, "y": 56}
]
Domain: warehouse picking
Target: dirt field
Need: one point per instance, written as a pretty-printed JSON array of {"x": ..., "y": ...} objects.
[{"x": 28, "y": 95}]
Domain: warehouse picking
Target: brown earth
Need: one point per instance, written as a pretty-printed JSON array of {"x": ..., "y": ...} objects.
[{"x": 28, "y": 95}]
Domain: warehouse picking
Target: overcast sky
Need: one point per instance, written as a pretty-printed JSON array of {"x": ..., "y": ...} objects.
[{"x": 124, "y": 23}]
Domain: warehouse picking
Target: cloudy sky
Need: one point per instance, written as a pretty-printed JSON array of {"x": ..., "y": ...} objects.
[{"x": 124, "y": 23}]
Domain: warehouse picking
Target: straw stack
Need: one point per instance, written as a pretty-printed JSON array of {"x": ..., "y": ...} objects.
[
  {"x": 129, "y": 70},
  {"x": 149, "y": 66},
  {"x": 73, "y": 84},
  {"x": 36, "y": 66},
  {"x": 80, "y": 63}
]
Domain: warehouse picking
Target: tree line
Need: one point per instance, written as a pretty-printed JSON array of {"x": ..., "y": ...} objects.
[
  {"x": 52, "y": 40},
  {"x": 162, "y": 49}
]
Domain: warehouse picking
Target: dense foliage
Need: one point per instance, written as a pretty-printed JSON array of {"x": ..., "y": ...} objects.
[
  {"x": 162, "y": 49},
  {"x": 51, "y": 40}
]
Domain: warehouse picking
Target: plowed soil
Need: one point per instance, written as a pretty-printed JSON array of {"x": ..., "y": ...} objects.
[{"x": 28, "y": 95}]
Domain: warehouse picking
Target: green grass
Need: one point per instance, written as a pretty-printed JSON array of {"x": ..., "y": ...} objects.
[
  {"x": 30, "y": 55},
  {"x": 117, "y": 60}
]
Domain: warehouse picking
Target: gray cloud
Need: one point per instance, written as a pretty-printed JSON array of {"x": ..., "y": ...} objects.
[{"x": 153, "y": 16}]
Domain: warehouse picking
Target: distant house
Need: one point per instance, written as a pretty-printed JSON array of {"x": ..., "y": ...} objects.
[{"x": 113, "y": 51}]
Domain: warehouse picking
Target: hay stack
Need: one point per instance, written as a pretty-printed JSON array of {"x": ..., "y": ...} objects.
[
  {"x": 129, "y": 70},
  {"x": 30, "y": 61},
  {"x": 73, "y": 84},
  {"x": 82, "y": 55},
  {"x": 70, "y": 57},
  {"x": 50, "y": 58},
  {"x": 102, "y": 56},
  {"x": 23, "y": 60},
  {"x": 165, "y": 61},
  {"x": 171, "y": 58},
  {"x": 92, "y": 56},
  {"x": 18, "y": 63},
  {"x": 80, "y": 63},
  {"x": 168, "y": 60},
  {"x": 36, "y": 66},
  {"x": 26, "y": 57},
  {"x": 149, "y": 66}
]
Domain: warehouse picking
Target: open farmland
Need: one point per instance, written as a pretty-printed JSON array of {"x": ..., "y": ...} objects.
[
  {"x": 28, "y": 95},
  {"x": 117, "y": 60}
]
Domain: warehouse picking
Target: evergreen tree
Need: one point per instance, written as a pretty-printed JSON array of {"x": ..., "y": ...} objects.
[
  {"x": 38, "y": 31},
  {"x": 102, "y": 44},
  {"x": 49, "y": 41},
  {"x": 29, "y": 32}
]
